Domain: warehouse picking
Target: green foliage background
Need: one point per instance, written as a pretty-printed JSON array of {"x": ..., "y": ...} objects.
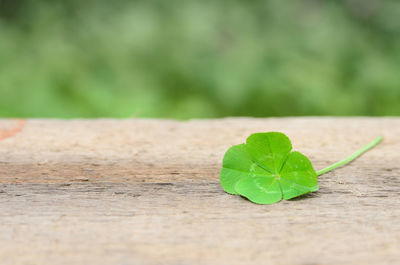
[{"x": 187, "y": 59}]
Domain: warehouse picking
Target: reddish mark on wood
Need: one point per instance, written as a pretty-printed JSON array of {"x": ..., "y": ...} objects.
[{"x": 6, "y": 133}]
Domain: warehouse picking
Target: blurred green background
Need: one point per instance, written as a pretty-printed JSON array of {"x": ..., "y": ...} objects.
[{"x": 197, "y": 59}]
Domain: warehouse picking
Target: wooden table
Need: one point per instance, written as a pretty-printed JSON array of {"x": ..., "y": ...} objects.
[{"x": 145, "y": 191}]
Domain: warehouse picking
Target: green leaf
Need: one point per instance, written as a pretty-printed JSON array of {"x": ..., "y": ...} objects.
[
  {"x": 237, "y": 164},
  {"x": 269, "y": 150},
  {"x": 262, "y": 190},
  {"x": 297, "y": 176},
  {"x": 264, "y": 170}
]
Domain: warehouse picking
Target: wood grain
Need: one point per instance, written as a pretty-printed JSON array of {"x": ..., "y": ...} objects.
[{"x": 147, "y": 192}]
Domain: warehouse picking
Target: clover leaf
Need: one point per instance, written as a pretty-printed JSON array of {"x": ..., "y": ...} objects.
[{"x": 265, "y": 170}]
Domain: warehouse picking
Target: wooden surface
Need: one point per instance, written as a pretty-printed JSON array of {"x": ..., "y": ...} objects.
[{"x": 147, "y": 192}]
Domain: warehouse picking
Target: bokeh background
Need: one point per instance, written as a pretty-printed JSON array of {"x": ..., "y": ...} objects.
[{"x": 199, "y": 59}]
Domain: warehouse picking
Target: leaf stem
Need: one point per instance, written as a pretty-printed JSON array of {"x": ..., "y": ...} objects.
[{"x": 347, "y": 160}]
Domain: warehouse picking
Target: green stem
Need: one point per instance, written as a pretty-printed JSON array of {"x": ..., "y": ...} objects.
[{"x": 359, "y": 152}]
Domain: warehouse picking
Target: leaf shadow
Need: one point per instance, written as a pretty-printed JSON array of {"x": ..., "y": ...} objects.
[{"x": 306, "y": 196}]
